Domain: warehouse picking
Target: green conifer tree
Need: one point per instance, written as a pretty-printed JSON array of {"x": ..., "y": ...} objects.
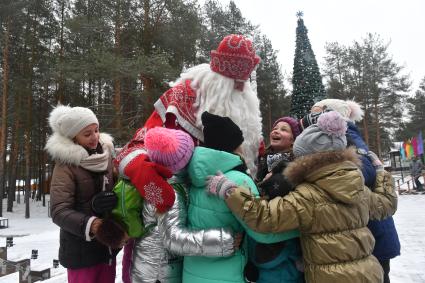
[{"x": 306, "y": 81}]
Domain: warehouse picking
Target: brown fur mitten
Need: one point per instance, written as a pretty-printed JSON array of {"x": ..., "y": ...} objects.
[{"x": 111, "y": 233}]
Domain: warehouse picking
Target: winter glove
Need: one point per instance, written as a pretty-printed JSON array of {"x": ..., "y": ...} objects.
[
  {"x": 219, "y": 185},
  {"x": 149, "y": 179},
  {"x": 379, "y": 167},
  {"x": 111, "y": 234},
  {"x": 103, "y": 202},
  {"x": 275, "y": 186},
  {"x": 251, "y": 272},
  {"x": 311, "y": 118}
]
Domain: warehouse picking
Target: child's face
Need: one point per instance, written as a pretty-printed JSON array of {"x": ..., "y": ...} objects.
[
  {"x": 239, "y": 151},
  {"x": 316, "y": 109},
  {"x": 281, "y": 137},
  {"x": 88, "y": 137}
]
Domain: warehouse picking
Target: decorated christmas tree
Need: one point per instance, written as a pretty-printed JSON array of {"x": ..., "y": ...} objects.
[{"x": 307, "y": 86}]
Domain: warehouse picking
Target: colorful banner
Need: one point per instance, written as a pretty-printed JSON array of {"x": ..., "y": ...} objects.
[
  {"x": 420, "y": 144},
  {"x": 402, "y": 152},
  {"x": 415, "y": 146},
  {"x": 408, "y": 148},
  {"x": 412, "y": 147}
]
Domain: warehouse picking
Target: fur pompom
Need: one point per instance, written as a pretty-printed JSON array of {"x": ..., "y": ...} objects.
[
  {"x": 356, "y": 113},
  {"x": 56, "y": 115},
  {"x": 111, "y": 233},
  {"x": 332, "y": 123}
]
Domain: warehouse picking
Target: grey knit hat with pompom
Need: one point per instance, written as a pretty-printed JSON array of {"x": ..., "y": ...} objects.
[{"x": 327, "y": 135}]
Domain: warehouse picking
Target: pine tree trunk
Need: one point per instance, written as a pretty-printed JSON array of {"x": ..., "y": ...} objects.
[
  {"x": 14, "y": 154},
  {"x": 27, "y": 138},
  {"x": 117, "y": 80},
  {"x": 378, "y": 130},
  {"x": 61, "y": 87},
  {"x": 3, "y": 137},
  {"x": 43, "y": 154},
  {"x": 146, "y": 33},
  {"x": 146, "y": 45},
  {"x": 269, "y": 114},
  {"x": 365, "y": 127},
  {"x": 147, "y": 92},
  {"x": 11, "y": 195},
  {"x": 19, "y": 175},
  {"x": 90, "y": 94},
  {"x": 28, "y": 126}
]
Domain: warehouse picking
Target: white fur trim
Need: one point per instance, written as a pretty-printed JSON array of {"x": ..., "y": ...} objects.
[
  {"x": 349, "y": 109},
  {"x": 128, "y": 159},
  {"x": 64, "y": 150},
  {"x": 216, "y": 94},
  {"x": 357, "y": 112},
  {"x": 88, "y": 226},
  {"x": 106, "y": 140},
  {"x": 160, "y": 108}
]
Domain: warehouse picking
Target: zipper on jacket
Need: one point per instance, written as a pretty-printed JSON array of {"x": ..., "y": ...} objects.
[
  {"x": 123, "y": 210},
  {"x": 110, "y": 255}
]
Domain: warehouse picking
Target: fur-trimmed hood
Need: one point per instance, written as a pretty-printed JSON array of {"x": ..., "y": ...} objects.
[
  {"x": 349, "y": 109},
  {"x": 64, "y": 150},
  {"x": 336, "y": 172}
]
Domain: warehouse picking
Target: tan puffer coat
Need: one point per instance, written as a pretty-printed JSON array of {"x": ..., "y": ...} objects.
[{"x": 331, "y": 208}]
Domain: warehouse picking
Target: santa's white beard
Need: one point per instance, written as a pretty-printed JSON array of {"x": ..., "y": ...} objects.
[{"x": 217, "y": 95}]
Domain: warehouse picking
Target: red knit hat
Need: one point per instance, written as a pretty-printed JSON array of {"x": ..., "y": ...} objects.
[{"x": 234, "y": 58}]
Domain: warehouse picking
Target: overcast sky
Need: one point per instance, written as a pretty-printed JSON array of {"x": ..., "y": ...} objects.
[{"x": 401, "y": 22}]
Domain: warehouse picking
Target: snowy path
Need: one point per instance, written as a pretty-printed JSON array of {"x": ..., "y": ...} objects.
[
  {"x": 410, "y": 223},
  {"x": 40, "y": 233}
]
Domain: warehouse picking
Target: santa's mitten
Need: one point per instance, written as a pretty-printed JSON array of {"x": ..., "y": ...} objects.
[
  {"x": 150, "y": 180},
  {"x": 111, "y": 234}
]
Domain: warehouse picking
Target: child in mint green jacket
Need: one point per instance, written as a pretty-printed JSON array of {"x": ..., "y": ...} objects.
[
  {"x": 221, "y": 152},
  {"x": 162, "y": 238}
]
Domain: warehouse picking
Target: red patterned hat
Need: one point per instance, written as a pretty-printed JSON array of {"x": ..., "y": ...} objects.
[{"x": 234, "y": 58}]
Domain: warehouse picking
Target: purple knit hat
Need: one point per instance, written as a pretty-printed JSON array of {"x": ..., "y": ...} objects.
[
  {"x": 293, "y": 123},
  {"x": 168, "y": 147}
]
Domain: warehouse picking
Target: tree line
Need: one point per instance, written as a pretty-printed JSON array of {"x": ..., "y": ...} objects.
[
  {"x": 118, "y": 56},
  {"x": 363, "y": 71}
]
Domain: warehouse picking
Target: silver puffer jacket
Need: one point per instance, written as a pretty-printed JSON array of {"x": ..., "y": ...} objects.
[{"x": 157, "y": 257}]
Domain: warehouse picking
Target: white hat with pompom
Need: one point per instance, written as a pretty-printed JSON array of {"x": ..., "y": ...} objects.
[
  {"x": 349, "y": 109},
  {"x": 69, "y": 121}
]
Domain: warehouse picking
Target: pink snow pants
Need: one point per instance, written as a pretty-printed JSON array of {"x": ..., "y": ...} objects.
[{"x": 101, "y": 273}]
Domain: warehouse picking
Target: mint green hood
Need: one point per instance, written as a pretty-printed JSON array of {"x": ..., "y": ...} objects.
[
  {"x": 207, "y": 211},
  {"x": 206, "y": 161}
]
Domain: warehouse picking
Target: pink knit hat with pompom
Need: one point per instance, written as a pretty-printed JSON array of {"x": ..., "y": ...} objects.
[
  {"x": 327, "y": 135},
  {"x": 168, "y": 147}
]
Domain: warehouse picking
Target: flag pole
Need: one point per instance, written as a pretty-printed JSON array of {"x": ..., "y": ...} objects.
[{"x": 401, "y": 163}]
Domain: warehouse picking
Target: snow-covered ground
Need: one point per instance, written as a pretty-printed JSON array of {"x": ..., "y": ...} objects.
[{"x": 38, "y": 232}]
